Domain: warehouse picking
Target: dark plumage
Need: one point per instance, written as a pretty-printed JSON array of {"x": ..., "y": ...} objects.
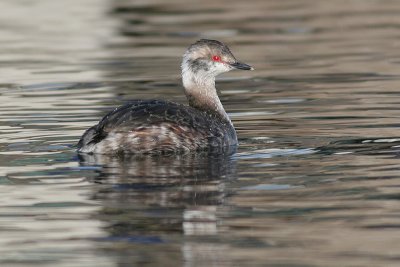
[{"x": 156, "y": 126}]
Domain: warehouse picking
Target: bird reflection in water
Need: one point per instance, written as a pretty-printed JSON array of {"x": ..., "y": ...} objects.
[{"x": 170, "y": 202}]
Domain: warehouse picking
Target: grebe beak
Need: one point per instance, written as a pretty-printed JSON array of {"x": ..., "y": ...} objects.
[{"x": 241, "y": 66}]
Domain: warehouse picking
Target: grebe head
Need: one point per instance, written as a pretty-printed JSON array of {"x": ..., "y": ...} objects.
[
  {"x": 201, "y": 62},
  {"x": 209, "y": 58}
]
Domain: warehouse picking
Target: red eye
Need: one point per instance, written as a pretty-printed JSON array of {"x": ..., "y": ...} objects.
[{"x": 216, "y": 58}]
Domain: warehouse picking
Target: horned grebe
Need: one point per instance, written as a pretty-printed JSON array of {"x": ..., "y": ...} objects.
[{"x": 158, "y": 127}]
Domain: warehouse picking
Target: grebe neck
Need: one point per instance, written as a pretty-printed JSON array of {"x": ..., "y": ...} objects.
[{"x": 201, "y": 92}]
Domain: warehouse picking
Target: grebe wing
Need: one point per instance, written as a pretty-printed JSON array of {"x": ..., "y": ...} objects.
[
  {"x": 150, "y": 112},
  {"x": 149, "y": 126}
]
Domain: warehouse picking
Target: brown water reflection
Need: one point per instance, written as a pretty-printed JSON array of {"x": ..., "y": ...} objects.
[
  {"x": 315, "y": 181},
  {"x": 170, "y": 203}
]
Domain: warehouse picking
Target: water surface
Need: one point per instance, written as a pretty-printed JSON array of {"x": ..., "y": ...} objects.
[{"x": 315, "y": 181}]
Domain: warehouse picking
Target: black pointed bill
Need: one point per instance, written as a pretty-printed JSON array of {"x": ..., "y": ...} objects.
[{"x": 241, "y": 66}]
